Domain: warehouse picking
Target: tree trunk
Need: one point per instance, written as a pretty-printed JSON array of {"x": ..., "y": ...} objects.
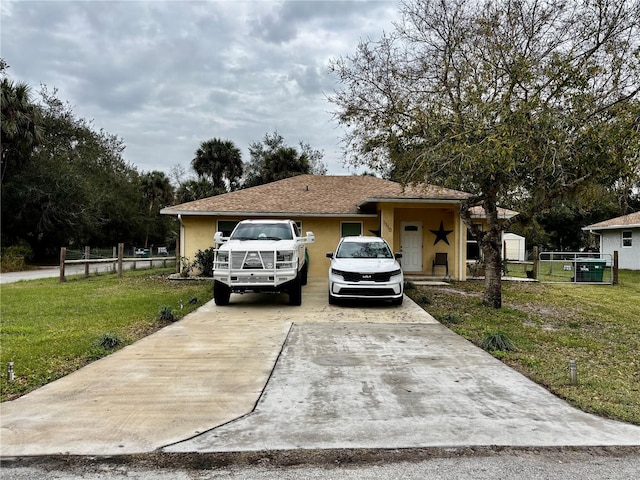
[
  {"x": 491, "y": 248},
  {"x": 492, "y": 295}
]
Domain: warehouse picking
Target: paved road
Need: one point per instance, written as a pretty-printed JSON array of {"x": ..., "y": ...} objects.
[
  {"x": 49, "y": 272},
  {"x": 548, "y": 465}
]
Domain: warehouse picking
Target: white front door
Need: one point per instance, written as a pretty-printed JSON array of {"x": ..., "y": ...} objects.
[{"x": 411, "y": 246}]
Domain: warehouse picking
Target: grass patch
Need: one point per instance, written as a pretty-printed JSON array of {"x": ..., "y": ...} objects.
[
  {"x": 50, "y": 329},
  {"x": 551, "y": 324}
]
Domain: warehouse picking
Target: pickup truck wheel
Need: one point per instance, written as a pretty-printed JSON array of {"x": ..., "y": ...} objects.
[
  {"x": 221, "y": 293},
  {"x": 295, "y": 292},
  {"x": 304, "y": 273}
]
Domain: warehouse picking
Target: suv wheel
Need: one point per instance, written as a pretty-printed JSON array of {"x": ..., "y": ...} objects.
[
  {"x": 396, "y": 301},
  {"x": 332, "y": 300},
  {"x": 221, "y": 293}
]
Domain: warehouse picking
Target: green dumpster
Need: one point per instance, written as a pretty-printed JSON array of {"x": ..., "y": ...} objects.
[{"x": 590, "y": 269}]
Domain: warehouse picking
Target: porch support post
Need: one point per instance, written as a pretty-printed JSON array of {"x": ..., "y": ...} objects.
[{"x": 386, "y": 227}]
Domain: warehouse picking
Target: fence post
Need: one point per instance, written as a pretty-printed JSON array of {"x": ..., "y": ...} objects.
[
  {"x": 615, "y": 279},
  {"x": 87, "y": 256},
  {"x": 536, "y": 255},
  {"x": 120, "y": 257},
  {"x": 63, "y": 257}
]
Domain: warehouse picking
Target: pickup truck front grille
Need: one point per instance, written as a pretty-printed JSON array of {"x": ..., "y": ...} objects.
[{"x": 253, "y": 260}]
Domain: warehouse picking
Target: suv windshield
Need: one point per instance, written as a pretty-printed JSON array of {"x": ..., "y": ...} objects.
[
  {"x": 363, "y": 250},
  {"x": 262, "y": 231}
]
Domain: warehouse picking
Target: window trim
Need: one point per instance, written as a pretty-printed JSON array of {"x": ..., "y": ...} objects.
[
  {"x": 342, "y": 224},
  {"x": 218, "y": 222}
]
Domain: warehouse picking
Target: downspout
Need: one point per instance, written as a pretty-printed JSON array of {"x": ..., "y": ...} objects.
[
  {"x": 181, "y": 240},
  {"x": 462, "y": 263}
]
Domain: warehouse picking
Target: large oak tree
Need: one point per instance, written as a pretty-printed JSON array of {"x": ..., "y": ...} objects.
[{"x": 526, "y": 100}]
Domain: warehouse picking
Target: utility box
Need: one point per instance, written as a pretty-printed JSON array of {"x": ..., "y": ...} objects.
[{"x": 590, "y": 269}]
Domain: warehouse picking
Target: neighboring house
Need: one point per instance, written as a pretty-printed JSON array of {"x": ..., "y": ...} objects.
[
  {"x": 417, "y": 221},
  {"x": 621, "y": 234}
]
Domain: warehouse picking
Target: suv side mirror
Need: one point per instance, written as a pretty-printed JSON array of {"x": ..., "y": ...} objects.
[
  {"x": 329, "y": 254},
  {"x": 398, "y": 255}
]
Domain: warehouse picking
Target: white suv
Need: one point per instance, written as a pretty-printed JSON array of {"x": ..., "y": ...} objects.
[
  {"x": 261, "y": 256},
  {"x": 365, "y": 267}
]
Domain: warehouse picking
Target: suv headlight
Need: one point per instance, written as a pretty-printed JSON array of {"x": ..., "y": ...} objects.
[
  {"x": 396, "y": 272},
  {"x": 335, "y": 271}
]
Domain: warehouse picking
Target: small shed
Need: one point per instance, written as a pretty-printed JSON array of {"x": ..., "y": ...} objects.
[{"x": 514, "y": 247}]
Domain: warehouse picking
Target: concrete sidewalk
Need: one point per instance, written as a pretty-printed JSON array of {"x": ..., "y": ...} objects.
[{"x": 344, "y": 377}]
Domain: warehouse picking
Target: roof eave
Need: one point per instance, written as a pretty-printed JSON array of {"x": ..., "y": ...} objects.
[
  {"x": 371, "y": 200},
  {"x": 592, "y": 228},
  {"x": 203, "y": 213}
]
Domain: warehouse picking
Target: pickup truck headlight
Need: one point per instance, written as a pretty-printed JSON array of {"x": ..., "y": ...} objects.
[
  {"x": 286, "y": 259},
  {"x": 222, "y": 260},
  {"x": 285, "y": 256}
]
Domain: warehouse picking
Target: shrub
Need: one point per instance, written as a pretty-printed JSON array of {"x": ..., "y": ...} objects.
[
  {"x": 14, "y": 258},
  {"x": 497, "y": 341},
  {"x": 185, "y": 267},
  {"x": 204, "y": 262},
  {"x": 166, "y": 315},
  {"x": 448, "y": 319},
  {"x": 109, "y": 341}
]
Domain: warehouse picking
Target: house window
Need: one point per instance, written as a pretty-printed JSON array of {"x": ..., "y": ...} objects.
[
  {"x": 627, "y": 239},
  {"x": 350, "y": 228},
  {"x": 298, "y": 228},
  {"x": 473, "y": 249},
  {"x": 226, "y": 226}
]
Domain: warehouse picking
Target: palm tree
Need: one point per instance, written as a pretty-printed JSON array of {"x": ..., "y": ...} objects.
[
  {"x": 21, "y": 130},
  {"x": 157, "y": 192},
  {"x": 219, "y": 161}
]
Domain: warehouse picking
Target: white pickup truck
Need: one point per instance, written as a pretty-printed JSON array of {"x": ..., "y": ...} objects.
[{"x": 261, "y": 256}]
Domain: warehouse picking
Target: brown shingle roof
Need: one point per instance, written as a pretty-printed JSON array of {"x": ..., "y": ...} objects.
[
  {"x": 631, "y": 220},
  {"x": 314, "y": 195}
]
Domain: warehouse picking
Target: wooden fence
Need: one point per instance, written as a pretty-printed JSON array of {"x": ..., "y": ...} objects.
[{"x": 118, "y": 262}]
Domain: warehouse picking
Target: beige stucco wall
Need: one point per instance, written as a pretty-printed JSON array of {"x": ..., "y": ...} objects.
[{"x": 200, "y": 230}]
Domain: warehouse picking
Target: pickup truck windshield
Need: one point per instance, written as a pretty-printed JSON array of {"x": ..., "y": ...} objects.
[{"x": 262, "y": 231}]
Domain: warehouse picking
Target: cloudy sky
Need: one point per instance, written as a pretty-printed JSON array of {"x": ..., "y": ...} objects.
[{"x": 166, "y": 75}]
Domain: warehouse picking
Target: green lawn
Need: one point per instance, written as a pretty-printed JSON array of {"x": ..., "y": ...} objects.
[
  {"x": 598, "y": 326},
  {"x": 50, "y": 329}
]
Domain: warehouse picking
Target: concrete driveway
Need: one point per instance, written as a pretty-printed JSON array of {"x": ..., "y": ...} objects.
[{"x": 260, "y": 374}]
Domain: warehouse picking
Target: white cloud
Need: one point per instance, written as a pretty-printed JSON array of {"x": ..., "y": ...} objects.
[{"x": 167, "y": 75}]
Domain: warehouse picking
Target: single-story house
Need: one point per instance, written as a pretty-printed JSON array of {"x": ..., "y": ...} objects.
[
  {"x": 419, "y": 221},
  {"x": 621, "y": 234}
]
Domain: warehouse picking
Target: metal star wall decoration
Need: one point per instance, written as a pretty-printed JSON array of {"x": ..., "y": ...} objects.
[{"x": 441, "y": 234}]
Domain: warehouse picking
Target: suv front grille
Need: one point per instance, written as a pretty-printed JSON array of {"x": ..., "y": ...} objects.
[{"x": 366, "y": 277}]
